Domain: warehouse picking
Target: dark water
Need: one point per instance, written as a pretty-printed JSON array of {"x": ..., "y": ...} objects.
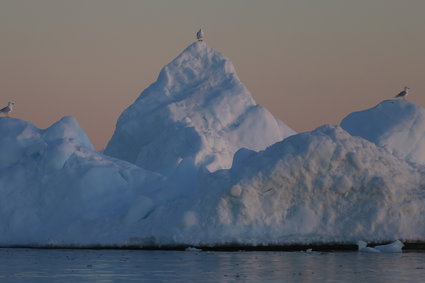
[{"x": 38, "y": 265}]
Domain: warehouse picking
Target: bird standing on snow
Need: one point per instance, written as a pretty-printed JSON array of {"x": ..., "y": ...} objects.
[
  {"x": 6, "y": 110},
  {"x": 200, "y": 35},
  {"x": 403, "y": 93}
]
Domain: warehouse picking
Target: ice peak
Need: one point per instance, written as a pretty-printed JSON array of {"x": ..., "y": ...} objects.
[
  {"x": 398, "y": 125},
  {"x": 396, "y": 103},
  {"x": 197, "y": 64},
  {"x": 67, "y": 129},
  {"x": 204, "y": 113},
  {"x": 198, "y": 49}
]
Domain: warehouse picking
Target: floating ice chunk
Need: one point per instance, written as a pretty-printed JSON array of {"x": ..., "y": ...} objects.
[
  {"x": 362, "y": 247},
  {"x": 192, "y": 249},
  {"x": 395, "y": 247}
]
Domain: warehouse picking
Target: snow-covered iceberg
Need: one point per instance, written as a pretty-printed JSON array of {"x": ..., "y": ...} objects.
[
  {"x": 197, "y": 114},
  {"x": 397, "y": 125},
  {"x": 201, "y": 164}
]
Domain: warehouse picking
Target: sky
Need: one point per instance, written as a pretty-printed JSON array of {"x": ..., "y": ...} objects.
[{"x": 309, "y": 62}]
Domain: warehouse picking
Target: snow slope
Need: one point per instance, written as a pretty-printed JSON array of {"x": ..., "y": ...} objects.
[
  {"x": 397, "y": 125},
  {"x": 197, "y": 114},
  {"x": 324, "y": 186},
  {"x": 56, "y": 190}
]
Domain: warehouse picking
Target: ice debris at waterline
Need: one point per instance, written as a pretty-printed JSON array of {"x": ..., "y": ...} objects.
[
  {"x": 395, "y": 247},
  {"x": 206, "y": 166}
]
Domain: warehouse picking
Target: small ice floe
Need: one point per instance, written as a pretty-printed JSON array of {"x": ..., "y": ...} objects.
[
  {"x": 310, "y": 251},
  {"x": 394, "y": 247},
  {"x": 192, "y": 249}
]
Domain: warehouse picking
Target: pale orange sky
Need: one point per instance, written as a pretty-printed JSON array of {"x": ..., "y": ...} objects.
[{"x": 308, "y": 62}]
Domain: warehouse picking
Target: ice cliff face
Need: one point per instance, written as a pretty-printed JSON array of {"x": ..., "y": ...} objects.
[
  {"x": 397, "y": 125},
  {"x": 197, "y": 114}
]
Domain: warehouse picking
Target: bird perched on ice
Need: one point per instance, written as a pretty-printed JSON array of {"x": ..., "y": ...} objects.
[
  {"x": 394, "y": 247},
  {"x": 200, "y": 35},
  {"x": 6, "y": 110},
  {"x": 403, "y": 93}
]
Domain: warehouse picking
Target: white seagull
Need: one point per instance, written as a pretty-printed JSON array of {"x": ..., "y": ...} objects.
[
  {"x": 200, "y": 35},
  {"x": 403, "y": 93},
  {"x": 6, "y": 110}
]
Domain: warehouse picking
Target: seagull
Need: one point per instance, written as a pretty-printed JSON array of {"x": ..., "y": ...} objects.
[
  {"x": 200, "y": 35},
  {"x": 403, "y": 93},
  {"x": 394, "y": 247},
  {"x": 6, "y": 110}
]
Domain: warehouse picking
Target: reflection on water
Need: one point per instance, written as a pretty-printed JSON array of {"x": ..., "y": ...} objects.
[{"x": 35, "y": 265}]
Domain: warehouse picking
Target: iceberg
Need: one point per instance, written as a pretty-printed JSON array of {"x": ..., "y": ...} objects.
[{"x": 195, "y": 162}]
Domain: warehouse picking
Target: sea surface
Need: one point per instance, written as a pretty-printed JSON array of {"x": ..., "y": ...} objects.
[{"x": 79, "y": 265}]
